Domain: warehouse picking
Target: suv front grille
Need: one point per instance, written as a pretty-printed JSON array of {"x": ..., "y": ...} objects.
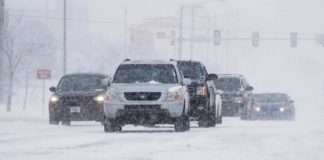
[
  {"x": 142, "y": 96},
  {"x": 142, "y": 107}
]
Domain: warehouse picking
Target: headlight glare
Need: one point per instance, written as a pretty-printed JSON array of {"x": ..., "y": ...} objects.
[
  {"x": 54, "y": 99},
  {"x": 100, "y": 98}
]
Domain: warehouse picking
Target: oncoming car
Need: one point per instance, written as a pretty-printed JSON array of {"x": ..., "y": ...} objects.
[
  {"x": 147, "y": 93},
  {"x": 271, "y": 106},
  {"x": 78, "y": 97}
]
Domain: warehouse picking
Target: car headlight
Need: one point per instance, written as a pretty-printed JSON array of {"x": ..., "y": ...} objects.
[
  {"x": 111, "y": 96},
  {"x": 202, "y": 90},
  {"x": 100, "y": 98},
  {"x": 282, "y": 109},
  {"x": 257, "y": 108},
  {"x": 239, "y": 99},
  {"x": 54, "y": 99},
  {"x": 174, "y": 94}
]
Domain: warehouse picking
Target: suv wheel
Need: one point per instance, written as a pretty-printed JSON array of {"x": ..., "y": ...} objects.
[
  {"x": 111, "y": 126},
  {"x": 66, "y": 122},
  {"x": 182, "y": 124}
]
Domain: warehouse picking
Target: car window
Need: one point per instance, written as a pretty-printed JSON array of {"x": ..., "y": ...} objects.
[
  {"x": 146, "y": 73},
  {"x": 81, "y": 83},
  {"x": 191, "y": 70},
  {"x": 228, "y": 84}
]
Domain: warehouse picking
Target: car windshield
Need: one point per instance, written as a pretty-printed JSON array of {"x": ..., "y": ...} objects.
[
  {"x": 81, "y": 83},
  {"x": 191, "y": 70},
  {"x": 228, "y": 84},
  {"x": 146, "y": 73},
  {"x": 270, "y": 98}
]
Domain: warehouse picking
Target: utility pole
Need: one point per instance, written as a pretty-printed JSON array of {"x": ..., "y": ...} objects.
[
  {"x": 64, "y": 37},
  {"x": 2, "y": 21},
  {"x": 180, "y": 39},
  {"x": 126, "y": 31},
  {"x": 192, "y": 31}
]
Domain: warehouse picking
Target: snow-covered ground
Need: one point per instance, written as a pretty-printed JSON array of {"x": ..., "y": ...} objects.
[{"x": 26, "y": 137}]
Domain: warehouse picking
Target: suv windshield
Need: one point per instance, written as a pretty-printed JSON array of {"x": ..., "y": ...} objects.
[
  {"x": 146, "y": 73},
  {"x": 228, "y": 84},
  {"x": 80, "y": 83},
  {"x": 191, "y": 70},
  {"x": 270, "y": 98}
]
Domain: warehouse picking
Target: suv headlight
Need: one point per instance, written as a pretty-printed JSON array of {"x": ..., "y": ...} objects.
[
  {"x": 239, "y": 99},
  {"x": 111, "y": 96},
  {"x": 202, "y": 90},
  {"x": 174, "y": 94},
  {"x": 54, "y": 99},
  {"x": 100, "y": 98}
]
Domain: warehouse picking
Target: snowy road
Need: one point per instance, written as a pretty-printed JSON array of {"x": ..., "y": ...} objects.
[{"x": 32, "y": 138}]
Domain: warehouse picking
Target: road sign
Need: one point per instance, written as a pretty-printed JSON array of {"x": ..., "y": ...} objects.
[
  {"x": 43, "y": 74},
  {"x": 255, "y": 39}
]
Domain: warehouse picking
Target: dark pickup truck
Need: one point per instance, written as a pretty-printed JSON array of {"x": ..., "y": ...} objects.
[{"x": 202, "y": 92}]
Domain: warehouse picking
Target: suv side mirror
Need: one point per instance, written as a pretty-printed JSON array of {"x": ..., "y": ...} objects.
[
  {"x": 212, "y": 77},
  {"x": 249, "y": 88},
  {"x": 52, "y": 89},
  {"x": 187, "y": 81}
]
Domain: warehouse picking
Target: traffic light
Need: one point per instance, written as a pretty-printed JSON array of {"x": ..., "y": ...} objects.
[
  {"x": 293, "y": 39},
  {"x": 255, "y": 39},
  {"x": 217, "y": 37}
]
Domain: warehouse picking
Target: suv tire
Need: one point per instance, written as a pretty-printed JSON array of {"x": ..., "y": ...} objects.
[
  {"x": 111, "y": 126},
  {"x": 182, "y": 124}
]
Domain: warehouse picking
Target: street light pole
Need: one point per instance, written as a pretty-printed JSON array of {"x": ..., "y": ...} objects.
[
  {"x": 64, "y": 38},
  {"x": 180, "y": 39}
]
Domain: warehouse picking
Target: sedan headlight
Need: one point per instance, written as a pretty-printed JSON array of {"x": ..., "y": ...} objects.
[
  {"x": 174, "y": 94},
  {"x": 100, "y": 98},
  {"x": 257, "y": 108},
  {"x": 282, "y": 109},
  {"x": 239, "y": 99},
  {"x": 54, "y": 99},
  {"x": 111, "y": 96},
  {"x": 202, "y": 90}
]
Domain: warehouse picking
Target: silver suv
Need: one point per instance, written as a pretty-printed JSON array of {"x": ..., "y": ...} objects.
[{"x": 147, "y": 93}]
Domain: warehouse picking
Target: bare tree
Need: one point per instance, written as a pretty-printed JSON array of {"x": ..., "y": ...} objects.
[{"x": 16, "y": 50}]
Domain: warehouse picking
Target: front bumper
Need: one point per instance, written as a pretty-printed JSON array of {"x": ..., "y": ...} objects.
[
  {"x": 274, "y": 114},
  {"x": 174, "y": 109},
  {"x": 198, "y": 106},
  {"x": 88, "y": 112},
  {"x": 231, "y": 108}
]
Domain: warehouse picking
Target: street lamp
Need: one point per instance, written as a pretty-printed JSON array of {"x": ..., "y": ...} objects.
[{"x": 182, "y": 8}]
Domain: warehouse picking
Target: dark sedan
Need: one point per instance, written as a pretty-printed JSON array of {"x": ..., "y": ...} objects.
[{"x": 272, "y": 106}]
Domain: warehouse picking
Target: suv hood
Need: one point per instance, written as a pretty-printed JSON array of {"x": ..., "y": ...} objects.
[{"x": 142, "y": 87}]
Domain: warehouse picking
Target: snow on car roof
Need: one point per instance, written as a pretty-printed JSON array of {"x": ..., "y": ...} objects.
[
  {"x": 230, "y": 75},
  {"x": 149, "y": 62}
]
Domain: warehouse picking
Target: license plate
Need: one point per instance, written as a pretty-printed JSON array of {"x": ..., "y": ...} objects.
[{"x": 75, "y": 109}]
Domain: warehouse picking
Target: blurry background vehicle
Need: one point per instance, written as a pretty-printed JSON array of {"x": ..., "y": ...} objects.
[
  {"x": 78, "y": 97},
  {"x": 236, "y": 93},
  {"x": 271, "y": 106},
  {"x": 204, "y": 105}
]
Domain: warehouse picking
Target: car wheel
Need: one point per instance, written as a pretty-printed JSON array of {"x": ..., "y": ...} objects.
[
  {"x": 220, "y": 119},
  {"x": 181, "y": 124},
  {"x": 66, "y": 122},
  {"x": 204, "y": 121},
  {"x": 111, "y": 126}
]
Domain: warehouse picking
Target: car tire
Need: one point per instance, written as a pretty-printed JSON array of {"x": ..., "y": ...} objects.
[
  {"x": 111, "y": 126},
  {"x": 204, "y": 121},
  {"x": 66, "y": 123},
  {"x": 181, "y": 124}
]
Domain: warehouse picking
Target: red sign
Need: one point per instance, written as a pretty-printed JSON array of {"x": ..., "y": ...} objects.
[{"x": 43, "y": 74}]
